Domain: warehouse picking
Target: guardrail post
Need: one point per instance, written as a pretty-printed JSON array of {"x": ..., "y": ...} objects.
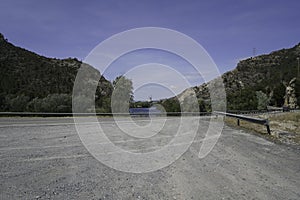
[
  {"x": 268, "y": 127},
  {"x": 238, "y": 122}
]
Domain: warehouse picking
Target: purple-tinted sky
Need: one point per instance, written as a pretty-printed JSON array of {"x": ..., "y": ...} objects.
[{"x": 228, "y": 30}]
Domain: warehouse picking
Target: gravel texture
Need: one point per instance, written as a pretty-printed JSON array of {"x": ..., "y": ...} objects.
[{"x": 44, "y": 158}]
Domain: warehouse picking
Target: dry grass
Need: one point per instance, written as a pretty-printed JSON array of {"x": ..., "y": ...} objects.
[
  {"x": 286, "y": 117},
  {"x": 248, "y": 125},
  {"x": 285, "y": 127}
]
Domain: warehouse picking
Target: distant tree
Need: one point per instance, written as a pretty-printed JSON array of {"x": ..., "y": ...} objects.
[
  {"x": 35, "y": 105},
  {"x": 82, "y": 103},
  {"x": 124, "y": 84},
  {"x": 278, "y": 95},
  {"x": 141, "y": 104},
  {"x": 18, "y": 103},
  {"x": 243, "y": 99},
  {"x": 105, "y": 106},
  {"x": 56, "y": 103},
  {"x": 103, "y": 96},
  {"x": 171, "y": 105},
  {"x": 297, "y": 91},
  {"x": 122, "y": 95},
  {"x": 2, "y": 102},
  {"x": 262, "y": 100}
]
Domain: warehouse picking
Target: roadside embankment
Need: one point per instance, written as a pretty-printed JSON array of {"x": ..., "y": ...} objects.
[{"x": 285, "y": 127}]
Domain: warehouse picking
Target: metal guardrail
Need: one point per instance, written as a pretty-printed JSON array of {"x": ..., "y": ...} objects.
[
  {"x": 270, "y": 109},
  {"x": 264, "y": 122},
  {"x": 247, "y": 112},
  {"x": 46, "y": 114}
]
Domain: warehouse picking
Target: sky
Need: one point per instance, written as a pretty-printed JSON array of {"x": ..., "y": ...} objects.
[{"x": 228, "y": 30}]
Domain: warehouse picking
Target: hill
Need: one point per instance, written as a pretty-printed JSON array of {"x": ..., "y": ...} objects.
[
  {"x": 30, "y": 82},
  {"x": 256, "y": 82}
]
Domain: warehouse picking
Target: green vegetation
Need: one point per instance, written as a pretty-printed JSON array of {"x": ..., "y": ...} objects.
[
  {"x": 269, "y": 74},
  {"x": 122, "y": 95},
  {"x": 245, "y": 99},
  {"x": 262, "y": 100},
  {"x": 29, "y": 82},
  {"x": 171, "y": 105}
]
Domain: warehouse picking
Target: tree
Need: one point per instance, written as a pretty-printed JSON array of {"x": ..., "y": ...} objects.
[
  {"x": 262, "y": 100},
  {"x": 243, "y": 99},
  {"x": 171, "y": 105},
  {"x": 278, "y": 95},
  {"x": 103, "y": 96},
  {"x": 297, "y": 91},
  {"x": 122, "y": 95},
  {"x": 56, "y": 103},
  {"x": 17, "y": 104},
  {"x": 82, "y": 103}
]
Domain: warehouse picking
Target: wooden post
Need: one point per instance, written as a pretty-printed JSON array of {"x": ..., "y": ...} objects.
[{"x": 238, "y": 122}]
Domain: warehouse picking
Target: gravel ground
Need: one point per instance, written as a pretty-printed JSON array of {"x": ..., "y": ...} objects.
[{"x": 44, "y": 158}]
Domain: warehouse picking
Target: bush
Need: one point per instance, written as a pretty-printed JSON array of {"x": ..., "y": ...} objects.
[
  {"x": 262, "y": 100},
  {"x": 56, "y": 103},
  {"x": 18, "y": 103}
]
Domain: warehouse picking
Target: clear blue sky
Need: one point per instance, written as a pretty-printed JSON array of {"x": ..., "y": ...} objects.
[{"x": 228, "y": 30}]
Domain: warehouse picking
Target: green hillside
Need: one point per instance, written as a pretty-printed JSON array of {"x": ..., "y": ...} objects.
[{"x": 30, "y": 82}]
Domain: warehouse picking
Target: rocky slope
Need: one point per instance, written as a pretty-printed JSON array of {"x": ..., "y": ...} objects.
[{"x": 270, "y": 74}]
